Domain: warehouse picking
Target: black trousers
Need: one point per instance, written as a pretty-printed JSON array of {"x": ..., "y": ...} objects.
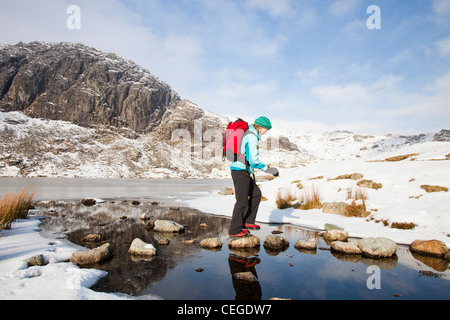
[{"x": 248, "y": 198}]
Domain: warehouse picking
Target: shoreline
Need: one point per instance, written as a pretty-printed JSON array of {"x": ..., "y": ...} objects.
[{"x": 78, "y": 283}]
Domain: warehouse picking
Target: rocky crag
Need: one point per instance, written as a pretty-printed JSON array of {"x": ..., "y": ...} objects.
[{"x": 68, "y": 110}]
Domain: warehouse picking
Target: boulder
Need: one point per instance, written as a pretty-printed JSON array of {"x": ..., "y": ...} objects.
[
  {"x": 88, "y": 202},
  {"x": 92, "y": 256},
  {"x": 93, "y": 238},
  {"x": 306, "y": 244},
  {"x": 36, "y": 261},
  {"x": 431, "y": 247},
  {"x": 248, "y": 242},
  {"x": 345, "y": 247},
  {"x": 168, "y": 226},
  {"x": 140, "y": 248},
  {"x": 275, "y": 242},
  {"x": 211, "y": 243},
  {"x": 377, "y": 247},
  {"x": 335, "y": 235},
  {"x": 338, "y": 208}
]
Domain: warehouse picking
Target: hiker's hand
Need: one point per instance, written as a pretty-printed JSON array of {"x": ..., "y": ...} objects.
[{"x": 273, "y": 171}]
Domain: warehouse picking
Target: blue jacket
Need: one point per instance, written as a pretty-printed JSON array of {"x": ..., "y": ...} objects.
[{"x": 250, "y": 147}]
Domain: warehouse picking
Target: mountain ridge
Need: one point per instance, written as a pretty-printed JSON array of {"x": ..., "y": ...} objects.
[{"x": 68, "y": 110}]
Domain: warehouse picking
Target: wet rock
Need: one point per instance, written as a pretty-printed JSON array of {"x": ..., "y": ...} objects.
[
  {"x": 168, "y": 226},
  {"x": 345, "y": 247},
  {"x": 432, "y": 247},
  {"x": 92, "y": 238},
  {"x": 335, "y": 235},
  {"x": 275, "y": 242},
  {"x": 36, "y": 261},
  {"x": 245, "y": 276},
  {"x": 248, "y": 242},
  {"x": 377, "y": 247},
  {"x": 88, "y": 202},
  {"x": 306, "y": 244},
  {"x": 92, "y": 256},
  {"x": 140, "y": 248},
  {"x": 163, "y": 242},
  {"x": 211, "y": 243}
]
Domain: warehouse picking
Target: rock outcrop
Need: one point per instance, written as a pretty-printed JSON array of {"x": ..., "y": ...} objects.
[{"x": 82, "y": 85}]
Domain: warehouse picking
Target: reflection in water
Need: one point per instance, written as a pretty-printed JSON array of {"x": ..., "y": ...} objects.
[
  {"x": 126, "y": 273},
  {"x": 246, "y": 287},
  {"x": 255, "y": 273}
]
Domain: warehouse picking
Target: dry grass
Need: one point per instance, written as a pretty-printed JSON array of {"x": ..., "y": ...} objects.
[
  {"x": 15, "y": 206},
  {"x": 358, "y": 206},
  {"x": 285, "y": 200},
  {"x": 357, "y": 193},
  {"x": 429, "y": 188},
  {"x": 401, "y": 157},
  {"x": 403, "y": 225},
  {"x": 311, "y": 199}
]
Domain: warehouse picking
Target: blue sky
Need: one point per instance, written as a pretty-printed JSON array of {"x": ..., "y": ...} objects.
[{"x": 308, "y": 65}]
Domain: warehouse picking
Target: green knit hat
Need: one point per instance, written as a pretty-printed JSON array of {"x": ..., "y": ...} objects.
[{"x": 264, "y": 122}]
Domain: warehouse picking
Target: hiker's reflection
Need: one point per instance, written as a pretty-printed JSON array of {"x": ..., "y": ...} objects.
[{"x": 244, "y": 277}]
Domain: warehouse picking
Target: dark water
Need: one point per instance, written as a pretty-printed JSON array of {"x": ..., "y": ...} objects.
[{"x": 175, "y": 272}]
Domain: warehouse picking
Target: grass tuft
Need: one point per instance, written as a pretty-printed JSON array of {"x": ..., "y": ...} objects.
[{"x": 14, "y": 207}]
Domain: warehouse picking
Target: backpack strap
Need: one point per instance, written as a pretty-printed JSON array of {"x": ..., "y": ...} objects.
[{"x": 244, "y": 155}]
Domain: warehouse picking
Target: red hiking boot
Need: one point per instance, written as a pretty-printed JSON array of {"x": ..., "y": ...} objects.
[
  {"x": 242, "y": 234},
  {"x": 252, "y": 226}
]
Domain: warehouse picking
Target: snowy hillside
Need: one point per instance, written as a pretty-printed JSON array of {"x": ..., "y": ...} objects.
[{"x": 45, "y": 148}]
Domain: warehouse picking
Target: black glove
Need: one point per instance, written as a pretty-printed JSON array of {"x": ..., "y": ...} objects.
[{"x": 273, "y": 171}]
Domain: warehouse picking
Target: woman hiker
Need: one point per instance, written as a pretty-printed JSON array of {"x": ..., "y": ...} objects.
[{"x": 248, "y": 194}]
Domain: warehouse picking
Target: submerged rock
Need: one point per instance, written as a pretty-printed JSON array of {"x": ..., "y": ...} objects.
[
  {"x": 93, "y": 238},
  {"x": 245, "y": 276}
]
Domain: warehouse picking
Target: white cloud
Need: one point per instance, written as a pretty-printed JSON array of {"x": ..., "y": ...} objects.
[
  {"x": 275, "y": 8},
  {"x": 443, "y": 47},
  {"x": 348, "y": 95},
  {"x": 441, "y": 7},
  {"x": 341, "y": 8}
]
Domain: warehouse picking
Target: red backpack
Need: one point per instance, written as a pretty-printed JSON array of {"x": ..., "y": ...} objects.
[{"x": 232, "y": 140}]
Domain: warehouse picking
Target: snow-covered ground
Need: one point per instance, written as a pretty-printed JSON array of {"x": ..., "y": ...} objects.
[
  {"x": 57, "y": 280},
  {"x": 400, "y": 199}
]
